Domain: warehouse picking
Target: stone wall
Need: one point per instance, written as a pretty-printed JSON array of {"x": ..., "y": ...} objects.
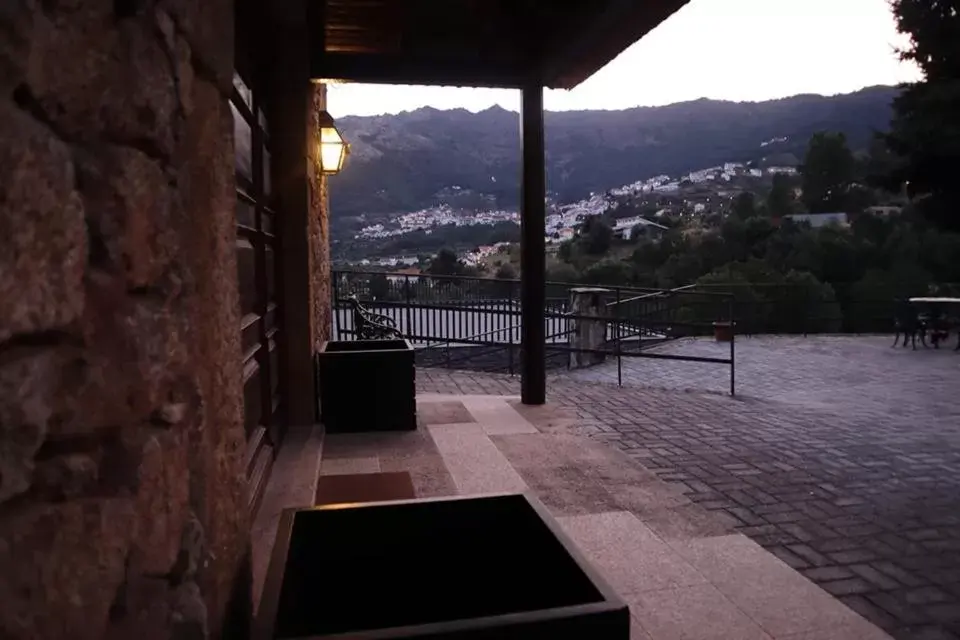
[
  {"x": 122, "y": 498},
  {"x": 319, "y": 237}
]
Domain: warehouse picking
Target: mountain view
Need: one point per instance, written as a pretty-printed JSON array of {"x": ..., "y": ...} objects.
[{"x": 427, "y": 157}]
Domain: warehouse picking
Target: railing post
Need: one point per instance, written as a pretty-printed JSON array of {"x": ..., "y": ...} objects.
[
  {"x": 733, "y": 351},
  {"x": 334, "y": 304},
  {"x": 510, "y": 324},
  {"x": 619, "y": 346},
  {"x": 406, "y": 291}
]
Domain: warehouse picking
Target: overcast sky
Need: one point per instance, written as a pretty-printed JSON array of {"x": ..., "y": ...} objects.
[{"x": 722, "y": 49}]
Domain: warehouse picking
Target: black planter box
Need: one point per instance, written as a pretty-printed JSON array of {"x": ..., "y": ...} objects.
[
  {"x": 367, "y": 385},
  {"x": 484, "y": 568}
]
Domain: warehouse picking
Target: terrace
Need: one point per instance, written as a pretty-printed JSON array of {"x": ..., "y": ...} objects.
[
  {"x": 827, "y": 487},
  {"x": 167, "y": 274}
]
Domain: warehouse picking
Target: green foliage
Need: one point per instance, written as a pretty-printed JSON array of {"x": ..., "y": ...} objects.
[
  {"x": 506, "y": 272},
  {"x": 563, "y": 273},
  {"x": 787, "y": 277},
  {"x": 828, "y": 172},
  {"x": 596, "y": 236},
  {"x": 744, "y": 206},
  {"x": 446, "y": 263},
  {"x": 925, "y": 132},
  {"x": 771, "y": 301},
  {"x": 780, "y": 197},
  {"x": 379, "y": 287},
  {"x": 606, "y": 271}
]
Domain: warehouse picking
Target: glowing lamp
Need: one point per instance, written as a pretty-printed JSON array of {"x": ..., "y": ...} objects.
[{"x": 333, "y": 149}]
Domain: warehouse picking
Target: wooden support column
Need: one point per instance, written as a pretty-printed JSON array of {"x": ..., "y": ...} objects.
[
  {"x": 533, "y": 213},
  {"x": 290, "y": 105}
]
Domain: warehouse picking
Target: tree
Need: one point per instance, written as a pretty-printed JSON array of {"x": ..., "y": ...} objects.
[
  {"x": 608, "y": 272},
  {"x": 379, "y": 286},
  {"x": 744, "y": 206},
  {"x": 925, "y": 131},
  {"x": 446, "y": 263},
  {"x": 506, "y": 272},
  {"x": 597, "y": 236},
  {"x": 780, "y": 198},
  {"x": 828, "y": 171},
  {"x": 563, "y": 273}
]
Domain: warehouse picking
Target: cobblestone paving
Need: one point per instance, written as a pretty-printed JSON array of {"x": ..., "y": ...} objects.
[
  {"x": 842, "y": 457},
  {"x": 817, "y": 372}
]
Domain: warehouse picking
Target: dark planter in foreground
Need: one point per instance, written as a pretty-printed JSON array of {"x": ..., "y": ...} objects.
[
  {"x": 367, "y": 385},
  {"x": 484, "y": 568}
]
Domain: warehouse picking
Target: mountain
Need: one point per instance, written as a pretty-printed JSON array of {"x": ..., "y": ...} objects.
[{"x": 419, "y": 158}]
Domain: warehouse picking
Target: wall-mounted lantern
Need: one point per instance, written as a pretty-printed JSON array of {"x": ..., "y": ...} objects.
[{"x": 333, "y": 148}]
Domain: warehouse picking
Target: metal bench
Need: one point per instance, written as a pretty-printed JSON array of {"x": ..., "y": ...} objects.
[{"x": 372, "y": 326}]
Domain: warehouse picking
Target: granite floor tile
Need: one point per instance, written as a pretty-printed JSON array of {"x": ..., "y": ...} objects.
[
  {"x": 350, "y": 445},
  {"x": 474, "y": 462},
  {"x": 347, "y": 466},
  {"x": 567, "y": 491},
  {"x": 688, "y": 521},
  {"x": 442, "y": 412},
  {"x": 637, "y": 632},
  {"x": 842, "y": 632},
  {"x": 497, "y": 417},
  {"x": 779, "y": 599},
  {"x": 698, "y": 612},
  {"x": 628, "y": 554}
]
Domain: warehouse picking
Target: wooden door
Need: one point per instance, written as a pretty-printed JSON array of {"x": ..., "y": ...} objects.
[{"x": 258, "y": 274}]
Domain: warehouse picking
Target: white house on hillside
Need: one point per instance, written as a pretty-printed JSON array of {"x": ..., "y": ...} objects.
[
  {"x": 625, "y": 227},
  {"x": 817, "y": 220}
]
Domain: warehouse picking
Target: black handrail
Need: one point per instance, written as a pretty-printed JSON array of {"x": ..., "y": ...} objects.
[{"x": 443, "y": 311}]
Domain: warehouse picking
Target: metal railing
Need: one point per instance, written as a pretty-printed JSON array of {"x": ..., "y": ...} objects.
[
  {"x": 454, "y": 321},
  {"x": 812, "y": 309}
]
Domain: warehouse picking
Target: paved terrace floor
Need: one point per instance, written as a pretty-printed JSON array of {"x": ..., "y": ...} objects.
[
  {"x": 841, "y": 456},
  {"x": 683, "y": 570},
  {"x": 835, "y": 373}
]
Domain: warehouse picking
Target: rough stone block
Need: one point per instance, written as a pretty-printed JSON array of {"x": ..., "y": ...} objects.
[
  {"x": 17, "y": 19},
  {"x": 28, "y": 382},
  {"x": 162, "y": 500},
  {"x": 42, "y": 231},
  {"x": 208, "y": 28},
  {"x": 68, "y": 476},
  {"x": 134, "y": 363},
  {"x": 142, "y": 609},
  {"x": 66, "y": 558},
  {"x": 131, "y": 213},
  {"x": 119, "y": 84}
]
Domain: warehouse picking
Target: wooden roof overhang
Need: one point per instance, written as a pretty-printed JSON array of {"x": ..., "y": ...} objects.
[{"x": 483, "y": 43}]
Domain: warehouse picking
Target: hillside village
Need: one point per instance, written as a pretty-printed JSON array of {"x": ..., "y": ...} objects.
[{"x": 697, "y": 193}]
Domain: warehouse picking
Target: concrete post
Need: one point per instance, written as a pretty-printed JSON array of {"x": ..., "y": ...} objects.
[{"x": 587, "y": 303}]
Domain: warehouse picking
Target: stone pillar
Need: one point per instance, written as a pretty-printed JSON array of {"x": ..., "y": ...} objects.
[
  {"x": 586, "y": 333},
  {"x": 319, "y": 234},
  {"x": 123, "y": 509}
]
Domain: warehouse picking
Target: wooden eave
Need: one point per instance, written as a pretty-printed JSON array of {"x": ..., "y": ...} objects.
[{"x": 485, "y": 43}]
